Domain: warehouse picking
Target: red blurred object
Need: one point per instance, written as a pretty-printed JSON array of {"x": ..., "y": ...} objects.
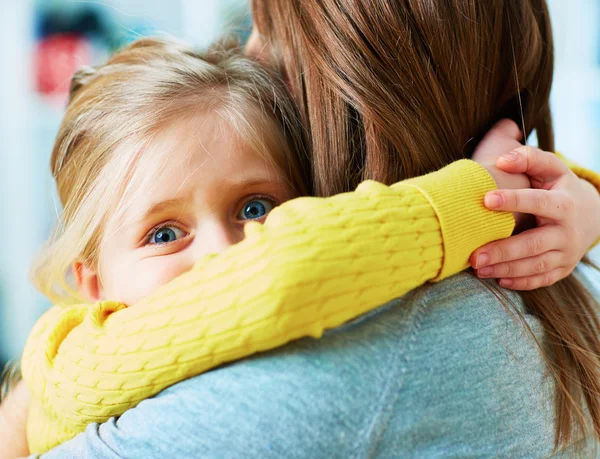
[{"x": 57, "y": 57}]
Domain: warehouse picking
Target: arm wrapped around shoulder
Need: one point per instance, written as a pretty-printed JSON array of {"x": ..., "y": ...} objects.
[{"x": 315, "y": 264}]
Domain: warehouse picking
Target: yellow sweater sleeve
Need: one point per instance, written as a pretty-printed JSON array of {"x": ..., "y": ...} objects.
[
  {"x": 315, "y": 264},
  {"x": 581, "y": 172}
]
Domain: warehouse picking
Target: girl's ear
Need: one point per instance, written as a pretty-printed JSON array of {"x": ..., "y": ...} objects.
[{"x": 88, "y": 281}]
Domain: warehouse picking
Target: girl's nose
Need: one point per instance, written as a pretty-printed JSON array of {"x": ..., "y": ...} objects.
[{"x": 214, "y": 237}]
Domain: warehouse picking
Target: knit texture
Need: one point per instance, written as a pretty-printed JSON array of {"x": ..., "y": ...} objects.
[{"x": 315, "y": 264}]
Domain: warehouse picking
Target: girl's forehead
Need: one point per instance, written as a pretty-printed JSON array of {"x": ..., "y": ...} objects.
[
  {"x": 200, "y": 145},
  {"x": 194, "y": 160}
]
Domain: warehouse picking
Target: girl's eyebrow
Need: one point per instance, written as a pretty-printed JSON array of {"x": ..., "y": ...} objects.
[
  {"x": 248, "y": 182},
  {"x": 161, "y": 207},
  {"x": 177, "y": 203}
]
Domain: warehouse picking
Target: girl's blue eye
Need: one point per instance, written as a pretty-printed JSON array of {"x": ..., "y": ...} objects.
[
  {"x": 166, "y": 234},
  {"x": 255, "y": 209}
]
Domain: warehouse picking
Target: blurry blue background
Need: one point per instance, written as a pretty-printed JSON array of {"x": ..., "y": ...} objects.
[{"x": 37, "y": 36}]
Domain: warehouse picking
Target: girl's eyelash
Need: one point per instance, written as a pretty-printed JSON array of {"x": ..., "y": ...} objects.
[
  {"x": 147, "y": 238},
  {"x": 260, "y": 196},
  {"x": 154, "y": 230},
  {"x": 252, "y": 197}
]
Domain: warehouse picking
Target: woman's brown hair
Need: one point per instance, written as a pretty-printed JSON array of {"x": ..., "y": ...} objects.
[{"x": 394, "y": 89}]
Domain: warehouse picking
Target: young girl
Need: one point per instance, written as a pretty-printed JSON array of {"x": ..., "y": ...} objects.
[{"x": 163, "y": 159}]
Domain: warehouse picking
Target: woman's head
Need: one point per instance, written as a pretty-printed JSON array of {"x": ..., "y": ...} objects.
[
  {"x": 162, "y": 156},
  {"x": 393, "y": 89}
]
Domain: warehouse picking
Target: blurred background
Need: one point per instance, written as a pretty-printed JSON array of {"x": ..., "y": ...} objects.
[{"x": 42, "y": 42}]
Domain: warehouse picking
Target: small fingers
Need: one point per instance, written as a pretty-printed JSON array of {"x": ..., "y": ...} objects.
[
  {"x": 503, "y": 137},
  {"x": 554, "y": 205},
  {"x": 505, "y": 128},
  {"x": 525, "y": 245},
  {"x": 534, "y": 282},
  {"x": 525, "y": 267},
  {"x": 539, "y": 165}
]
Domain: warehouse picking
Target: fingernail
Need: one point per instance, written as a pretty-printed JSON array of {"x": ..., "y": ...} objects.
[
  {"x": 510, "y": 157},
  {"x": 493, "y": 200},
  {"x": 485, "y": 272},
  {"x": 482, "y": 260},
  {"x": 506, "y": 283}
]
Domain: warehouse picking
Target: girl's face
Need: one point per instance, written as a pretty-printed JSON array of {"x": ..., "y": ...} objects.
[{"x": 198, "y": 204}]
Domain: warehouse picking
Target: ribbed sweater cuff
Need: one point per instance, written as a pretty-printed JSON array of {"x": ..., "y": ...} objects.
[{"x": 456, "y": 192}]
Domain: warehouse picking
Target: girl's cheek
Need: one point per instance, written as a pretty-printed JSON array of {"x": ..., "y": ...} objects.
[
  {"x": 152, "y": 273},
  {"x": 145, "y": 276}
]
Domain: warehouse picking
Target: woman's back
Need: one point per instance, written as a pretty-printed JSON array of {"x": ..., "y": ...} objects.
[
  {"x": 403, "y": 88},
  {"x": 446, "y": 371}
]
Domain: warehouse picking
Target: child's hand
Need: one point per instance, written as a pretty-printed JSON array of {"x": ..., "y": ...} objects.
[
  {"x": 567, "y": 211},
  {"x": 503, "y": 137},
  {"x": 13, "y": 420}
]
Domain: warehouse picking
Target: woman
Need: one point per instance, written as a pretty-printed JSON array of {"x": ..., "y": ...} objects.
[
  {"x": 452, "y": 75},
  {"x": 438, "y": 379}
]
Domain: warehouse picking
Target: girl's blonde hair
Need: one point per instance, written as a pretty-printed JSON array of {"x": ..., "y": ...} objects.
[{"x": 114, "y": 111}]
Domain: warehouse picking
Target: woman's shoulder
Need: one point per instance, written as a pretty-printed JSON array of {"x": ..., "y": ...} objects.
[
  {"x": 464, "y": 309},
  {"x": 447, "y": 370},
  {"x": 446, "y": 366},
  {"x": 478, "y": 381},
  {"x": 453, "y": 368}
]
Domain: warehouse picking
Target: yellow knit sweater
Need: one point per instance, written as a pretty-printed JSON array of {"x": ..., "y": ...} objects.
[{"x": 315, "y": 264}]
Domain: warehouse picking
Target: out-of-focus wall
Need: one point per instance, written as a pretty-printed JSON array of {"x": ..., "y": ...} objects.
[
  {"x": 576, "y": 89},
  {"x": 29, "y": 120},
  {"x": 21, "y": 176}
]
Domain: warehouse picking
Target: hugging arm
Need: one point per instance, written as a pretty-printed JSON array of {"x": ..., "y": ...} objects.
[
  {"x": 315, "y": 264},
  {"x": 441, "y": 369}
]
